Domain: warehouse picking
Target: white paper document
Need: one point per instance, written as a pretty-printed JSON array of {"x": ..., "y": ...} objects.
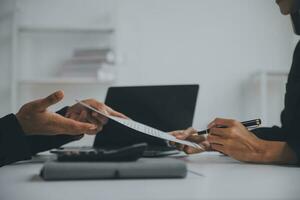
[{"x": 143, "y": 128}]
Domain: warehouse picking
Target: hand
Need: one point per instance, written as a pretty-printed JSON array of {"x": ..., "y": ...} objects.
[
  {"x": 36, "y": 120},
  {"x": 235, "y": 141},
  {"x": 80, "y": 113},
  {"x": 190, "y": 134}
]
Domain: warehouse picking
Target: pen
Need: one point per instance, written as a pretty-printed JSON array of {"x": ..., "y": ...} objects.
[{"x": 248, "y": 124}]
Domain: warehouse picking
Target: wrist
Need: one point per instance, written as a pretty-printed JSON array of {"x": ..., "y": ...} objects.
[
  {"x": 261, "y": 153},
  {"x": 20, "y": 122},
  {"x": 276, "y": 152},
  {"x": 265, "y": 154}
]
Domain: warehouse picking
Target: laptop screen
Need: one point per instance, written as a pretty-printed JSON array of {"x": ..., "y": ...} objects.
[{"x": 167, "y": 108}]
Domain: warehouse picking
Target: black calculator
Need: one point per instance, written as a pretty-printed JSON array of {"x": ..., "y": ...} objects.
[{"x": 91, "y": 154}]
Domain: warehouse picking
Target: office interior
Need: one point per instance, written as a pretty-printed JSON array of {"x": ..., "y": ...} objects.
[
  {"x": 239, "y": 52},
  {"x": 235, "y": 50}
]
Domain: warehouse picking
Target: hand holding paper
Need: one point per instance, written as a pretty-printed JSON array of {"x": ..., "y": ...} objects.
[{"x": 143, "y": 128}]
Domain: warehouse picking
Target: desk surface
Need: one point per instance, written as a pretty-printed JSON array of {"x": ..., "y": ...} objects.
[{"x": 211, "y": 176}]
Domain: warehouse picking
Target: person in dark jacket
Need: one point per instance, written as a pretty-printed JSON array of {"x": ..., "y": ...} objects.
[
  {"x": 274, "y": 145},
  {"x": 35, "y": 129}
]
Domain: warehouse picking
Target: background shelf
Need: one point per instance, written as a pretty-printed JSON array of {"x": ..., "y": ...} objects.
[
  {"x": 65, "y": 81},
  {"x": 71, "y": 28}
]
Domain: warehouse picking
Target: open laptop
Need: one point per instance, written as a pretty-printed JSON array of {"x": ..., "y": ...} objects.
[{"x": 165, "y": 107}]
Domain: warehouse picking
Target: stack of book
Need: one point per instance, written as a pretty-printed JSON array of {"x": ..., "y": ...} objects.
[{"x": 90, "y": 63}]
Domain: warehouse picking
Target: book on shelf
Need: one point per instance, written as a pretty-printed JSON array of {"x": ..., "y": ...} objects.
[
  {"x": 90, "y": 63},
  {"x": 104, "y": 73},
  {"x": 105, "y": 55}
]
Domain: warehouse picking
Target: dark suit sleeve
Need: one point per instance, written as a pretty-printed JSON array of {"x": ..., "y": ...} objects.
[
  {"x": 274, "y": 133},
  {"x": 13, "y": 142},
  {"x": 16, "y": 146},
  {"x": 290, "y": 116}
]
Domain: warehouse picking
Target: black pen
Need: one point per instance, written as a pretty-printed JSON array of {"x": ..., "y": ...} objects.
[{"x": 248, "y": 124}]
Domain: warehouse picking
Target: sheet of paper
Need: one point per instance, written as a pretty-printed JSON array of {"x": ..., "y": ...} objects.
[{"x": 143, "y": 128}]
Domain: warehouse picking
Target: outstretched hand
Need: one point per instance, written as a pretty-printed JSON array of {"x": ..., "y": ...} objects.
[{"x": 35, "y": 119}]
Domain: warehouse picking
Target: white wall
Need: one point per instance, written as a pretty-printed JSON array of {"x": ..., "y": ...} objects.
[
  {"x": 215, "y": 43},
  {"x": 5, "y": 55}
]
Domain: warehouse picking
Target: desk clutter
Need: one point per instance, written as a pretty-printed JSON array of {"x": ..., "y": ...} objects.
[
  {"x": 136, "y": 139},
  {"x": 123, "y": 163}
]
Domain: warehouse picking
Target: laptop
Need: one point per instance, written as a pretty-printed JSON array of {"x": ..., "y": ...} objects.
[{"x": 165, "y": 107}]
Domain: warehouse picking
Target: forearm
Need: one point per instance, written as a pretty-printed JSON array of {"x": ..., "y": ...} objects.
[
  {"x": 275, "y": 152},
  {"x": 270, "y": 133},
  {"x": 274, "y": 147}
]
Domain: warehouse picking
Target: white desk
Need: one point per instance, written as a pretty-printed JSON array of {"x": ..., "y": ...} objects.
[{"x": 214, "y": 177}]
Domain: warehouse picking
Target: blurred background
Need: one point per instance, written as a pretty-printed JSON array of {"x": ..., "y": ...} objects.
[{"x": 239, "y": 51}]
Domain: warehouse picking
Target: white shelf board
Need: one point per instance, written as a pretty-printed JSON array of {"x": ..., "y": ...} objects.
[
  {"x": 270, "y": 74},
  {"x": 65, "y": 81},
  {"x": 46, "y": 28},
  {"x": 273, "y": 72}
]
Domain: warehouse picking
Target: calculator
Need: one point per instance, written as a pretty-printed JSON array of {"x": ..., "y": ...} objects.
[{"x": 91, "y": 154}]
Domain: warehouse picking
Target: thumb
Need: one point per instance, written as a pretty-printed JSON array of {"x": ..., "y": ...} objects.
[{"x": 43, "y": 104}]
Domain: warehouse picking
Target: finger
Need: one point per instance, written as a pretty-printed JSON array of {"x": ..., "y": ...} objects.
[
  {"x": 211, "y": 124},
  {"x": 114, "y": 113},
  {"x": 68, "y": 114},
  {"x": 74, "y": 116},
  {"x": 191, "y": 150},
  {"x": 172, "y": 143},
  {"x": 213, "y": 139},
  {"x": 43, "y": 104},
  {"x": 176, "y": 133},
  {"x": 96, "y": 105},
  {"x": 100, "y": 118},
  {"x": 98, "y": 123},
  {"x": 70, "y": 126},
  {"x": 95, "y": 121},
  {"x": 196, "y": 138},
  {"x": 77, "y": 127},
  {"x": 77, "y": 116},
  {"x": 180, "y": 147},
  {"x": 188, "y": 132},
  {"x": 83, "y": 116},
  {"x": 222, "y": 132},
  {"x": 104, "y": 108},
  {"x": 224, "y": 122},
  {"x": 95, "y": 131},
  {"x": 206, "y": 145},
  {"x": 218, "y": 147}
]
